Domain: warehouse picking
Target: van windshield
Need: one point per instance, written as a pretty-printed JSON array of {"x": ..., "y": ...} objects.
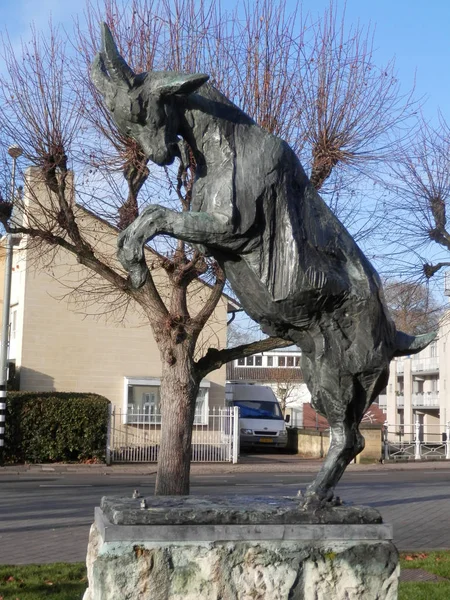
[{"x": 254, "y": 409}]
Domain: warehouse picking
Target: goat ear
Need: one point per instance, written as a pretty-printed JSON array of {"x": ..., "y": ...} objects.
[{"x": 179, "y": 83}]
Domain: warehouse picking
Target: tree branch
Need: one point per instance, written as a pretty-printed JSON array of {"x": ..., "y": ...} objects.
[
  {"x": 199, "y": 321},
  {"x": 214, "y": 358},
  {"x": 430, "y": 270}
]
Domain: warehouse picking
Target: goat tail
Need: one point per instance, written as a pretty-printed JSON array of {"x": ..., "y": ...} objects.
[{"x": 412, "y": 344}]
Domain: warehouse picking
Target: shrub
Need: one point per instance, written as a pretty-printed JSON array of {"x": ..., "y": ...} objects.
[{"x": 55, "y": 426}]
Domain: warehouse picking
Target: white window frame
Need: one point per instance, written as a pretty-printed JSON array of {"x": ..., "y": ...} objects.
[
  {"x": 151, "y": 413},
  {"x": 199, "y": 419},
  {"x": 13, "y": 323},
  {"x": 202, "y": 417}
]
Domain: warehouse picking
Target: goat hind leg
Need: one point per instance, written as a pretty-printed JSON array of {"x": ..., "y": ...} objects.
[{"x": 346, "y": 443}]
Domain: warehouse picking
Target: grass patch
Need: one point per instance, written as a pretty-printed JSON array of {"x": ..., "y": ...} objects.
[
  {"x": 68, "y": 581},
  {"x": 433, "y": 562},
  {"x": 58, "y": 581}
]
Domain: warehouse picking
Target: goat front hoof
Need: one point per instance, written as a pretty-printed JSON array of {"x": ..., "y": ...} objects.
[{"x": 137, "y": 274}]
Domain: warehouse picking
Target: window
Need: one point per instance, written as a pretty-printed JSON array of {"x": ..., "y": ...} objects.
[
  {"x": 249, "y": 361},
  {"x": 259, "y": 409},
  {"x": 270, "y": 361},
  {"x": 152, "y": 408},
  {"x": 258, "y": 361},
  {"x": 241, "y": 362},
  {"x": 143, "y": 405},
  {"x": 201, "y": 407},
  {"x": 13, "y": 325},
  {"x": 297, "y": 361},
  {"x": 281, "y": 361},
  {"x": 401, "y": 422},
  {"x": 290, "y": 361},
  {"x": 433, "y": 350}
]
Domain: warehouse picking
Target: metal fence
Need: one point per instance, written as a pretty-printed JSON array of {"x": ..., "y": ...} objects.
[
  {"x": 135, "y": 437},
  {"x": 416, "y": 441}
]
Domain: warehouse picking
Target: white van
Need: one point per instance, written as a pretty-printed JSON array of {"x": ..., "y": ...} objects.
[{"x": 261, "y": 421}]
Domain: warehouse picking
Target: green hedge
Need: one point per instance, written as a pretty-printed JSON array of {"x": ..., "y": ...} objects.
[{"x": 55, "y": 427}]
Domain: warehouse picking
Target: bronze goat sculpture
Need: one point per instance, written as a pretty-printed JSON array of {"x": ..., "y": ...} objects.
[{"x": 292, "y": 264}]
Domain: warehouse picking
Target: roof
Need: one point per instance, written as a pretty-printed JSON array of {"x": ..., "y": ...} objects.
[
  {"x": 264, "y": 374},
  {"x": 312, "y": 420}
]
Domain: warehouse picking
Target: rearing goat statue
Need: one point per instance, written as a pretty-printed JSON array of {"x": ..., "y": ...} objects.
[{"x": 292, "y": 264}]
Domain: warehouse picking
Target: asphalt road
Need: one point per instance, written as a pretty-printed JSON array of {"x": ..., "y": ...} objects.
[{"x": 46, "y": 517}]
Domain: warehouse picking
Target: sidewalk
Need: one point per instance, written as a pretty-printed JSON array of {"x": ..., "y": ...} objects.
[
  {"x": 48, "y": 509},
  {"x": 248, "y": 464}
]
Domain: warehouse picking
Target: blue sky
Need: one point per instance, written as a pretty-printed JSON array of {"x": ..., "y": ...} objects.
[
  {"x": 413, "y": 32},
  {"x": 416, "y": 34}
]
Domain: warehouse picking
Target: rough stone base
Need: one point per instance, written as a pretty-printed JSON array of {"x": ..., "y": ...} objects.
[{"x": 241, "y": 562}]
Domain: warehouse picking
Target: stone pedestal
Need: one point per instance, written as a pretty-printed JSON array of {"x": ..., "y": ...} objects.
[{"x": 241, "y": 548}]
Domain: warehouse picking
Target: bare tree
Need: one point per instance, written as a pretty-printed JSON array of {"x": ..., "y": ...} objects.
[
  {"x": 259, "y": 60},
  {"x": 44, "y": 114},
  {"x": 421, "y": 198},
  {"x": 286, "y": 381},
  {"x": 350, "y": 112},
  {"x": 340, "y": 82},
  {"x": 236, "y": 335},
  {"x": 412, "y": 306}
]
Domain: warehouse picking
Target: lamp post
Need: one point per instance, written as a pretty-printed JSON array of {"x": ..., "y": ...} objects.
[{"x": 14, "y": 151}]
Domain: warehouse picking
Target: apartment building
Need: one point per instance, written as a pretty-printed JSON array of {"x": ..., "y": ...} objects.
[{"x": 417, "y": 399}]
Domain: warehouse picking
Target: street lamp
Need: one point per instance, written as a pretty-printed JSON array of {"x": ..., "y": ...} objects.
[{"x": 14, "y": 152}]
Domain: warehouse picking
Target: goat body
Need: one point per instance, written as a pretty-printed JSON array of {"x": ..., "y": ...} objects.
[{"x": 294, "y": 267}]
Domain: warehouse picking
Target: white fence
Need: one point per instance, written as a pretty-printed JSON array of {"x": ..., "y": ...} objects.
[
  {"x": 416, "y": 441},
  {"x": 135, "y": 437}
]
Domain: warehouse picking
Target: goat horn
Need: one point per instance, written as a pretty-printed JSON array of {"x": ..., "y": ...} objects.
[{"x": 118, "y": 69}]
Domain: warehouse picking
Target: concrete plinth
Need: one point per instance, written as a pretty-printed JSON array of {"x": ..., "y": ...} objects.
[{"x": 132, "y": 555}]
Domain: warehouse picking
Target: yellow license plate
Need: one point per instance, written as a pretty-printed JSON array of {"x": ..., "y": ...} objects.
[{"x": 266, "y": 440}]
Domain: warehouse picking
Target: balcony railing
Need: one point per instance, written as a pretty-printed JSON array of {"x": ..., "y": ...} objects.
[
  {"x": 425, "y": 364},
  {"x": 400, "y": 366},
  {"x": 382, "y": 401},
  {"x": 427, "y": 399},
  {"x": 400, "y": 401}
]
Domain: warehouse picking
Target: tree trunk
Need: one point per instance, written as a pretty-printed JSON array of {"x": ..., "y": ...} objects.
[{"x": 179, "y": 390}]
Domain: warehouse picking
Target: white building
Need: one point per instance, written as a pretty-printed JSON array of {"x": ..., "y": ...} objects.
[
  {"x": 280, "y": 370},
  {"x": 418, "y": 393}
]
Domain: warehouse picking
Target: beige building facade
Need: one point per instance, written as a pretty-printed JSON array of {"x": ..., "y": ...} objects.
[
  {"x": 417, "y": 398},
  {"x": 68, "y": 332}
]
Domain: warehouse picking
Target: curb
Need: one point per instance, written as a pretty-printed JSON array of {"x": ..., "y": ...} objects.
[{"x": 254, "y": 464}]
